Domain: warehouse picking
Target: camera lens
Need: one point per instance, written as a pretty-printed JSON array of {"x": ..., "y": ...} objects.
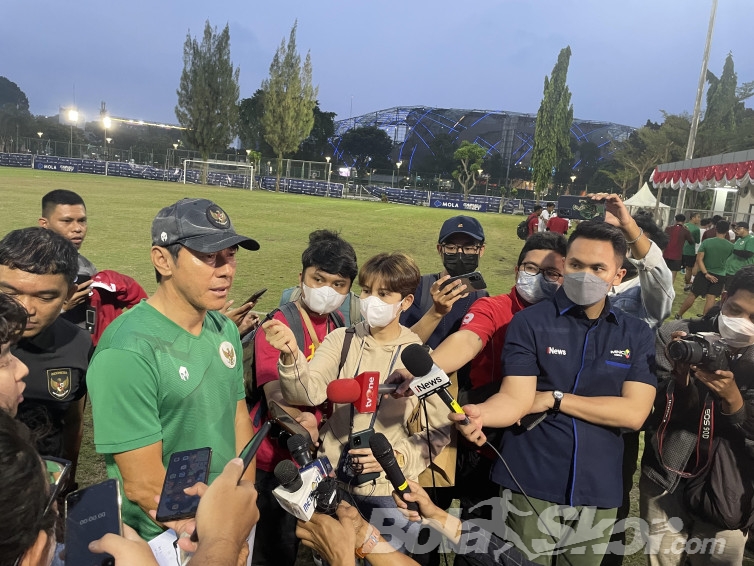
[{"x": 686, "y": 351}]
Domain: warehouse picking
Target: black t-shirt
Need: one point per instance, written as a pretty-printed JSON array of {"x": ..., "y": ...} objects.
[{"x": 57, "y": 359}]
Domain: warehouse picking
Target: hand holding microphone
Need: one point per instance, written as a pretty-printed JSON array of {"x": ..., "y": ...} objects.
[{"x": 383, "y": 453}]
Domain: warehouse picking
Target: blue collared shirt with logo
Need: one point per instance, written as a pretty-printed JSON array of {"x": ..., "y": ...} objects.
[{"x": 564, "y": 459}]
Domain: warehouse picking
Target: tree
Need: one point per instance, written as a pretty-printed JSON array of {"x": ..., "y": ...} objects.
[
  {"x": 470, "y": 156},
  {"x": 317, "y": 145},
  {"x": 441, "y": 160},
  {"x": 367, "y": 145},
  {"x": 14, "y": 114},
  {"x": 208, "y": 92},
  {"x": 552, "y": 135},
  {"x": 289, "y": 100},
  {"x": 250, "y": 112}
]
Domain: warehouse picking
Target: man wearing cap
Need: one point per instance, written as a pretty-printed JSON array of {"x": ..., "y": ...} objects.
[
  {"x": 437, "y": 312},
  {"x": 167, "y": 375}
]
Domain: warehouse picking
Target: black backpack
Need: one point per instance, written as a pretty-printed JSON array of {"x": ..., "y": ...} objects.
[{"x": 522, "y": 230}]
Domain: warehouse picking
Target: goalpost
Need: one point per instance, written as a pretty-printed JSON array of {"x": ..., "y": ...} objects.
[{"x": 222, "y": 173}]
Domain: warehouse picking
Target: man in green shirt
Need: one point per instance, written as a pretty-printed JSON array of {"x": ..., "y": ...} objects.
[
  {"x": 167, "y": 374},
  {"x": 688, "y": 260},
  {"x": 710, "y": 264},
  {"x": 743, "y": 250}
]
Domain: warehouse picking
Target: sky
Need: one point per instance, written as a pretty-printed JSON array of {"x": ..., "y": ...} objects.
[{"x": 631, "y": 59}]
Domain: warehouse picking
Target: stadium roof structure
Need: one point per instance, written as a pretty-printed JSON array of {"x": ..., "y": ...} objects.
[{"x": 511, "y": 134}]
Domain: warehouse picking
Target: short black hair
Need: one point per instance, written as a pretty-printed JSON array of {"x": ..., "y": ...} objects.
[
  {"x": 602, "y": 232},
  {"x": 543, "y": 241},
  {"x": 692, "y": 214},
  {"x": 716, "y": 218},
  {"x": 12, "y": 319},
  {"x": 60, "y": 197},
  {"x": 24, "y": 496},
  {"x": 705, "y": 221},
  {"x": 537, "y": 207},
  {"x": 652, "y": 230},
  {"x": 742, "y": 224},
  {"x": 330, "y": 253},
  {"x": 680, "y": 218},
  {"x": 41, "y": 252},
  {"x": 549, "y": 204},
  {"x": 722, "y": 226},
  {"x": 743, "y": 279}
]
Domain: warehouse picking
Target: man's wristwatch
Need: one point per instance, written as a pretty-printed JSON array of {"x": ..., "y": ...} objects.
[{"x": 558, "y": 396}]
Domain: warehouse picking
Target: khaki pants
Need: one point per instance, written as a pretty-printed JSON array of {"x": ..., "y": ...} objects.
[
  {"x": 574, "y": 536},
  {"x": 671, "y": 533}
]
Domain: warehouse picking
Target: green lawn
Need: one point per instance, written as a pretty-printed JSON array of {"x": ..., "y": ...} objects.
[{"x": 121, "y": 210}]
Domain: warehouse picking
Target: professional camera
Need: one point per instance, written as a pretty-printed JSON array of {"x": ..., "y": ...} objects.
[{"x": 705, "y": 349}]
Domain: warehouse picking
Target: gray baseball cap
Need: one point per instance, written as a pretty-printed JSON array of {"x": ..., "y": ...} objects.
[{"x": 200, "y": 225}]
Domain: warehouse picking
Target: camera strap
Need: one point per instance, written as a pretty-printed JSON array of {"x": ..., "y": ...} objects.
[
  {"x": 704, "y": 435},
  {"x": 379, "y": 397}
]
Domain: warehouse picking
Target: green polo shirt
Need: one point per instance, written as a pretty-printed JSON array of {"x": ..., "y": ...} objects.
[{"x": 734, "y": 262}]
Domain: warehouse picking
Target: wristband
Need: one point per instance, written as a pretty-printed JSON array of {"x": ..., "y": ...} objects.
[
  {"x": 371, "y": 540},
  {"x": 641, "y": 233}
]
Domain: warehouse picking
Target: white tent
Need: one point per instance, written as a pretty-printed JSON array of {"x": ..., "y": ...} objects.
[{"x": 645, "y": 200}]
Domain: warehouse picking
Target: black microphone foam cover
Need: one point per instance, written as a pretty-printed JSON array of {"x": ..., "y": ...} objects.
[
  {"x": 288, "y": 475},
  {"x": 298, "y": 446},
  {"x": 417, "y": 360},
  {"x": 380, "y": 446}
]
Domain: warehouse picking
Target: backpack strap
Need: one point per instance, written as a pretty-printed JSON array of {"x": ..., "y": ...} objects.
[
  {"x": 327, "y": 407},
  {"x": 295, "y": 322},
  {"x": 355, "y": 309}
]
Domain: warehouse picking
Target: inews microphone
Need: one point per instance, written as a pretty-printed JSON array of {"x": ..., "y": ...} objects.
[
  {"x": 429, "y": 378},
  {"x": 362, "y": 391},
  {"x": 383, "y": 452}
]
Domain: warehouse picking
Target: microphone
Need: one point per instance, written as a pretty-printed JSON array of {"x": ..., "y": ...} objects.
[
  {"x": 383, "y": 452},
  {"x": 297, "y": 492},
  {"x": 361, "y": 391},
  {"x": 298, "y": 446},
  {"x": 429, "y": 378}
]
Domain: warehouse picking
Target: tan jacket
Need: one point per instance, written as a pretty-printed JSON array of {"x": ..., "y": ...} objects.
[{"x": 306, "y": 384}]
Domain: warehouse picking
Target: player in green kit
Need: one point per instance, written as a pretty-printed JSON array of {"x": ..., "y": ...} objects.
[{"x": 167, "y": 374}]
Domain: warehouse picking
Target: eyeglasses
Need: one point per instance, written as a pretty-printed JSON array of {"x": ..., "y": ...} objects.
[
  {"x": 467, "y": 250},
  {"x": 551, "y": 275}
]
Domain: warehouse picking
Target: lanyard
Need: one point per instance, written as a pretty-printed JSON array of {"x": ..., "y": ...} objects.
[
  {"x": 379, "y": 397},
  {"x": 704, "y": 435}
]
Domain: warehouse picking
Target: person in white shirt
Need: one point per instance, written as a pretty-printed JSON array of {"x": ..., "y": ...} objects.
[{"x": 545, "y": 216}]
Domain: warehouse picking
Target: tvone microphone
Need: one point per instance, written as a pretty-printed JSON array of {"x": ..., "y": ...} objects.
[
  {"x": 359, "y": 391},
  {"x": 429, "y": 378},
  {"x": 383, "y": 452}
]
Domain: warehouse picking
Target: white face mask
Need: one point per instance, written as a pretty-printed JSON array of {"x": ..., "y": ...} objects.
[
  {"x": 377, "y": 313},
  {"x": 535, "y": 288},
  {"x": 737, "y": 332},
  {"x": 321, "y": 300}
]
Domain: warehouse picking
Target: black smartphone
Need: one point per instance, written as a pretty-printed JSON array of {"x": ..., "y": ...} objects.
[
  {"x": 184, "y": 470},
  {"x": 250, "y": 450},
  {"x": 255, "y": 297},
  {"x": 90, "y": 514},
  {"x": 473, "y": 281},
  {"x": 347, "y": 471},
  {"x": 581, "y": 208},
  {"x": 533, "y": 419},
  {"x": 286, "y": 422}
]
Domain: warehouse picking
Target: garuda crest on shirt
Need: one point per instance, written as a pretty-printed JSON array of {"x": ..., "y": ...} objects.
[
  {"x": 59, "y": 382},
  {"x": 228, "y": 354}
]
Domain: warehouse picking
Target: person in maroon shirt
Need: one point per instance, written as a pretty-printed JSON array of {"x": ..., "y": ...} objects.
[
  {"x": 678, "y": 234},
  {"x": 533, "y": 222},
  {"x": 557, "y": 224},
  {"x": 711, "y": 232}
]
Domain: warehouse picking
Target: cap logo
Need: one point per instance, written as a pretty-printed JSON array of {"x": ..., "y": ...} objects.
[
  {"x": 460, "y": 225},
  {"x": 217, "y": 217},
  {"x": 164, "y": 237}
]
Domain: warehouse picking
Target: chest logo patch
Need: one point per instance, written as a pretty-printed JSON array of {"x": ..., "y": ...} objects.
[
  {"x": 468, "y": 318},
  {"x": 621, "y": 353},
  {"x": 59, "y": 382},
  {"x": 228, "y": 354},
  {"x": 183, "y": 372}
]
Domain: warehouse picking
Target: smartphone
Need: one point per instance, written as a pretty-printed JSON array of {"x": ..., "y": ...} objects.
[
  {"x": 184, "y": 470},
  {"x": 581, "y": 208},
  {"x": 286, "y": 422},
  {"x": 250, "y": 450},
  {"x": 90, "y": 514},
  {"x": 473, "y": 281},
  {"x": 255, "y": 297},
  {"x": 359, "y": 440},
  {"x": 530, "y": 421}
]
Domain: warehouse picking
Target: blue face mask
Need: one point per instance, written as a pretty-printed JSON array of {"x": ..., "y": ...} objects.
[{"x": 535, "y": 288}]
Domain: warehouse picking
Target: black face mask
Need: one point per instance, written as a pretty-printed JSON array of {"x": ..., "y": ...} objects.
[{"x": 460, "y": 264}]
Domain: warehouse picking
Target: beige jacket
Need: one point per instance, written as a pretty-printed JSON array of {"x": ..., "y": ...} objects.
[{"x": 306, "y": 384}]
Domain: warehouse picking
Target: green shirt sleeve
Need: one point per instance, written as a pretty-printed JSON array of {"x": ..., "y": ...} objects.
[{"x": 124, "y": 393}]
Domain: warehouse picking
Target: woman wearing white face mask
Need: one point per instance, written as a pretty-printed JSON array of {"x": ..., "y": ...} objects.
[{"x": 387, "y": 282}]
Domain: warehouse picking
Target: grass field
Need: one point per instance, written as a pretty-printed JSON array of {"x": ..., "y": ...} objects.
[{"x": 121, "y": 211}]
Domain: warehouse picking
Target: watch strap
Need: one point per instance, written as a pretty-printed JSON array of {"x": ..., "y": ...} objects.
[{"x": 558, "y": 399}]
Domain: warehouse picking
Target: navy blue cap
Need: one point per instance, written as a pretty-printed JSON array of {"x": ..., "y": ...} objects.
[{"x": 461, "y": 225}]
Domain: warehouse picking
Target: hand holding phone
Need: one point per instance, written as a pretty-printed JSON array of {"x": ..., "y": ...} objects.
[
  {"x": 90, "y": 514},
  {"x": 473, "y": 281},
  {"x": 184, "y": 470},
  {"x": 256, "y": 296},
  {"x": 289, "y": 424}
]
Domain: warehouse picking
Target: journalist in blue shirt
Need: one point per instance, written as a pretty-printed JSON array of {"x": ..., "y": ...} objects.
[{"x": 587, "y": 369}]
